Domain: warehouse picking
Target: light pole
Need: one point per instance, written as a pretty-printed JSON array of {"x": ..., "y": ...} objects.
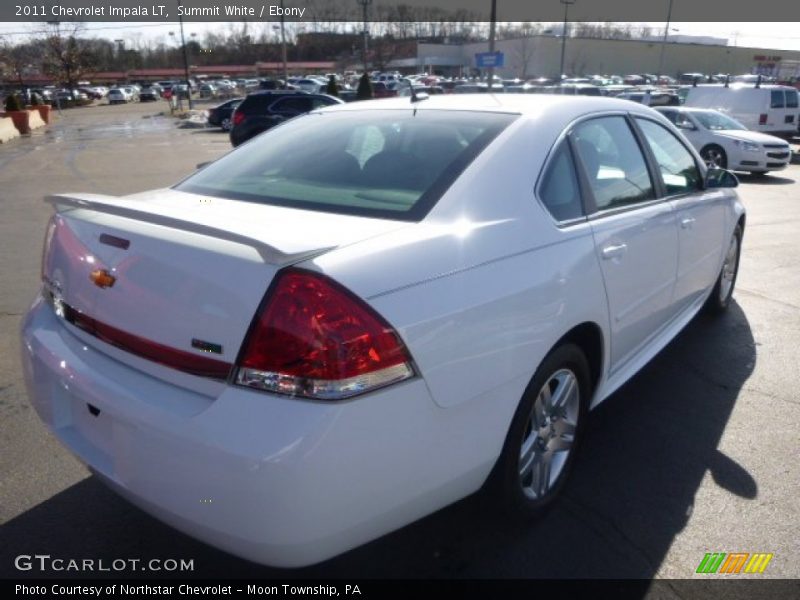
[
  {"x": 664, "y": 42},
  {"x": 185, "y": 58},
  {"x": 566, "y": 4},
  {"x": 492, "y": 30},
  {"x": 364, "y": 4},
  {"x": 283, "y": 48}
]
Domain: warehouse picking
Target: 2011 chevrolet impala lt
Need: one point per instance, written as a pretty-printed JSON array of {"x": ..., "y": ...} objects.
[{"x": 372, "y": 311}]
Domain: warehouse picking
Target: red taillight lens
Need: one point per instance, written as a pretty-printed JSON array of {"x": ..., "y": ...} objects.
[
  {"x": 314, "y": 338},
  {"x": 762, "y": 119},
  {"x": 237, "y": 117}
]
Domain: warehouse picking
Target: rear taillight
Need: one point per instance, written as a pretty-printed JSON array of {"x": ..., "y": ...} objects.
[
  {"x": 238, "y": 117},
  {"x": 314, "y": 338},
  {"x": 762, "y": 119}
]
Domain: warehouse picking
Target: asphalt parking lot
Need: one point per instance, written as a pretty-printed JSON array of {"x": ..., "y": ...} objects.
[{"x": 698, "y": 453}]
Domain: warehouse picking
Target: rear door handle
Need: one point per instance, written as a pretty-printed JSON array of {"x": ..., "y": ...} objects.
[
  {"x": 687, "y": 222},
  {"x": 613, "y": 250}
]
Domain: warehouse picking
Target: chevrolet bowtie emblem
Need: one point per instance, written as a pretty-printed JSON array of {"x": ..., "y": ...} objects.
[{"x": 102, "y": 278}]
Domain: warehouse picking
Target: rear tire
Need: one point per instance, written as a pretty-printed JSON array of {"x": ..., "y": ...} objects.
[
  {"x": 720, "y": 298},
  {"x": 540, "y": 446}
]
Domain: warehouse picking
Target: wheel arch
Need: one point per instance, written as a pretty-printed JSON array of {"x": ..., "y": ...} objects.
[{"x": 588, "y": 336}]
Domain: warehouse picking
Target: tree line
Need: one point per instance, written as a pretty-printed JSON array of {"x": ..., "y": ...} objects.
[{"x": 66, "y": 52}]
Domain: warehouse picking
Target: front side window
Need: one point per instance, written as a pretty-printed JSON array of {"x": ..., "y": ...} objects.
[
  {"x": 791, "y": 99},
  {"x": 559, "y": 191},
  {"x": 613, "y": 162},
  {"x": 678, "y": 168},
  {"x": 378, "y": 163}
]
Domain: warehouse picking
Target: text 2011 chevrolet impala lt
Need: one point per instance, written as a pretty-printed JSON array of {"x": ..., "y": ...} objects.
[{"x": 372, "y": 311}]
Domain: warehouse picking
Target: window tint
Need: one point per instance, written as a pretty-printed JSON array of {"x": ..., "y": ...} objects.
[
  {"x": 682, "y": 120},
  {"x": 381, "y": 163},
  {"x": 678, "y": 169},
  {"x": 614, "y": 164},
  {"x": 293, "y": 104},
  {"x": 776, "y": 99},
  {"x": 791, "y": 99},
  {"x": 672, "y": 115},
  {"x": 559, "y": 191}
]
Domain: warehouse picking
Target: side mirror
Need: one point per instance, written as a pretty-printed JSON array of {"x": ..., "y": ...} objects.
[
  {"x": 721, "y": 178},
  {"x": 686, "y": 125}
]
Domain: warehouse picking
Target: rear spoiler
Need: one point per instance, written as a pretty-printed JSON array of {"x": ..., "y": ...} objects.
[{"x": 138, "y": 211}]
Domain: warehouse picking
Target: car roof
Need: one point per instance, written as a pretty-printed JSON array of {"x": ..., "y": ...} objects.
[{"x": 560, "y": 107}]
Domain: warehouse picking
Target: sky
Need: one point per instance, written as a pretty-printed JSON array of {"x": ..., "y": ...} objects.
[{"x": 777, "y": 36}]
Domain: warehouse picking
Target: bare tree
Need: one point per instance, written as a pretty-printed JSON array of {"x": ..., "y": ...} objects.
[
  {"x": 66, "y": 55},
  {"x": 17, "y": 61}
]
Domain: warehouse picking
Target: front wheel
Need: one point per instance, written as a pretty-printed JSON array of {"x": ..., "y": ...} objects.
[
  {"x": 714, "y": 157},
  {"x": 720, "y": 297},
  {"x": 226, "y": 124},
  {"x": 540, "y": 446}
]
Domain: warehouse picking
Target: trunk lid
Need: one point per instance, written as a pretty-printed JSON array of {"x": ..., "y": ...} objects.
[{"x": 189, "y": 272}]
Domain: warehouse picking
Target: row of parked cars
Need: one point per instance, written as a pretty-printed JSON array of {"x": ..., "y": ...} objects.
[{"x": 722, "y": 139}]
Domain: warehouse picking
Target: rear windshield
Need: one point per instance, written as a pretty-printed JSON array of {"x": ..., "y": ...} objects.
[{"x": 377, "y": 163}]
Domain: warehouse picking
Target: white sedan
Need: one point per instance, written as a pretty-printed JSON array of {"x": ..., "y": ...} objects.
[
  {"x": 724, "y": 142},
  {"x": 302, "y": 347},
  {"x": 118, "y": 96}
]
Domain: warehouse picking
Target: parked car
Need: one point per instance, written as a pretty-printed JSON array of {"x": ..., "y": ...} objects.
[
  {"x": 384, "y": 89},
  {"x": 724, "y": 142},
  {"x": 772, "y": 109},
  {"x": 207, "y": 90},
  {"x": 132, "y": 91},
  {"x": 118, "y": 96},
  {"x": 149, "y": 94},
  {"x": 222, "y": 114},
  {"x": 261, "y": 110},
  {"x": 651, "y": 97},
  {"x": 348, "y": 336}
]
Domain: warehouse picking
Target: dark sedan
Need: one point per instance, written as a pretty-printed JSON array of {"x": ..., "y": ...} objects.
[
  {"x": 261, "y": 110},
  {"x": 222, "y": 114}
]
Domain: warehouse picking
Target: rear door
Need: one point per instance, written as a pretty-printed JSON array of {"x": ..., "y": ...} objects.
[
  {"x": 700, "y": 213},
  {"x": 635, "y": 232}
]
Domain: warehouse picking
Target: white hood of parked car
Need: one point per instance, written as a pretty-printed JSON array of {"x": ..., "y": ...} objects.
[{"x": 750, "y": 136}]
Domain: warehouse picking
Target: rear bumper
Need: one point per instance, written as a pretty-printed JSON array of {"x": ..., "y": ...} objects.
[{"x": 275, "y": 480}]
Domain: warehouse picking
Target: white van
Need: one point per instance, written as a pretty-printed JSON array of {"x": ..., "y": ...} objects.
[{"x": 766, "y": 108}]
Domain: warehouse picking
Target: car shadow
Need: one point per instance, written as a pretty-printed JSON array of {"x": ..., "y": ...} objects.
[
  {"x": 767, "y": 179},
  {"x": 646, "y": 451}
]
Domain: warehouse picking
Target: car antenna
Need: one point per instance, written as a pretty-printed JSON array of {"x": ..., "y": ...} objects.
[
  {"x": 727, "y": 80},
  {"x": 416, "y": 97},
  {"x": 758, "y": 82}
]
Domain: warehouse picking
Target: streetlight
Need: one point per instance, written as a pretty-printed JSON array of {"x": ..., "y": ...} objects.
[
  {"x": 492, "y": 28},
  {"x": 185, "y": 56},
  {"x": 566, "y": 4},
  {"x": 664, "y": 42},
  {"x": 364, "y": 4},
  {"x": 283, "y": 48}
]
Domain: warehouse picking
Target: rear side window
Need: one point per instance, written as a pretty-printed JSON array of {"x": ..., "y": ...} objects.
[
  {"x": 678, "y": 169},
  {"x": 614, "y": 164},
  {"x": 791, "y": 99},
  {"x": 383, "y": 163},
  {"x": 257, "y": 103},
  {"x": 776, "y": 99},
  {"x": 559, "y": 191}
]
